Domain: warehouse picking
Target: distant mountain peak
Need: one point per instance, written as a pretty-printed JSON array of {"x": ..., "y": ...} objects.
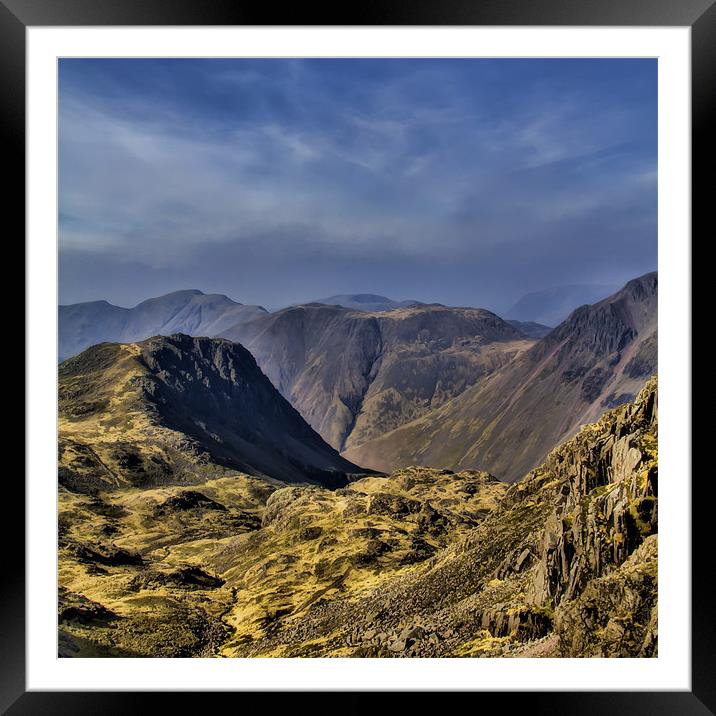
[
  {"x": 370, "y": 298},
  {"x": 181, "y": 291},
  {"x": 188, "y": 311},
  {"x": 186, "y": 293},
  {"x": 551, "y": 306}
]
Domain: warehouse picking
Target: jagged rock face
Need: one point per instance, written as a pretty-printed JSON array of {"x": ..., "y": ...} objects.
[
  {"x": 173, "y": 407},
  {"x": 82, "y": 325},
  {"x": 617, "y": 470},
  {"x": 599, "y": 358},
  {"x": 356, "y": 374},
  {"x": 616, "y": 614}
]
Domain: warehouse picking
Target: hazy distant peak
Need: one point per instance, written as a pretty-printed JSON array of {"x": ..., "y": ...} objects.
[
  {"x": 187, "y": 311},
  {"x": 551, "y": 306},
  {"x": 188, "y": 291},
  {"x": 530, "y": 328},
  {"x": 366, "y": 302},
  {"x": 98, "y": 303},
  {"x": 368, "y": 298},
  {"x": 186, "y": 294}
]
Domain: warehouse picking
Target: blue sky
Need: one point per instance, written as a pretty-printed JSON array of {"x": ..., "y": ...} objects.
[{"x": 467, "y": 182}]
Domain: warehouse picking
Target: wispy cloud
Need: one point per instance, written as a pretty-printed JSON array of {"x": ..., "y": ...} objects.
[{"x": 172, "y": 166}]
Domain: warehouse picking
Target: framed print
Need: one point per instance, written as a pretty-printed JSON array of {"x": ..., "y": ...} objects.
[{"x": 348, "y": 367}]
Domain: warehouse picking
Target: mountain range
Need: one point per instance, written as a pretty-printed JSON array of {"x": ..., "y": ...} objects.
[
  {"x": 195, "y": 313},
  {"x": 425, "y": 384},
  {"x": 596, "y": 359}
]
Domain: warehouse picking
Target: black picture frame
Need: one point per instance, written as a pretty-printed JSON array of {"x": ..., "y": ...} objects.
[{"x": 17, "y": 15}]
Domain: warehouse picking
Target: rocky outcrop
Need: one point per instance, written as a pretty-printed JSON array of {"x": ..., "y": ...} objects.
[
  {"x": 606, "y": 505},
  {"x": 616, "y": 614}
]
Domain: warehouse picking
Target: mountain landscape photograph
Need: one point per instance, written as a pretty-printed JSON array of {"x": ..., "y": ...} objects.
[{"x": 357, "y": 358}]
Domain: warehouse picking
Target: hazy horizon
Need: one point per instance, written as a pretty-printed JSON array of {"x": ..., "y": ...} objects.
[
  {"x": 606, "y": 290},
  {"x": 274, "y": 182}
]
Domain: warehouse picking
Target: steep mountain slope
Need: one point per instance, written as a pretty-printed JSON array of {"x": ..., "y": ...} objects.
[
  {"x": 354, "y": 375},
  {"x": 85, "y": 324},
  {"x": 178, "y": 409},
  {"x": 553, "y": 305},
  {"x": 365, "y": 302},
  {"x": 424, "y": 563},
  {"x": 598, "y": 358}
]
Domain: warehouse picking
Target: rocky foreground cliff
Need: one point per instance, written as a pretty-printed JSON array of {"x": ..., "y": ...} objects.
[{"x": 422, "y": 563}]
